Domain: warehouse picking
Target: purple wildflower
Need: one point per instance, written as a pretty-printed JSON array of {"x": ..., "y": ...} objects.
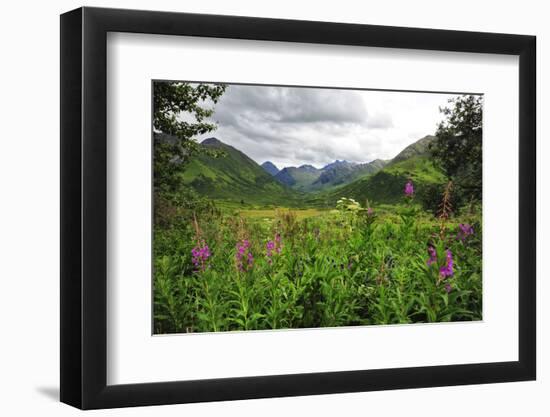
[
  {"x": 409, "y": 189},
  {"x": 370, "y": 211},
  {"x": 273, "y": 246},
  {"x": 278, "y": 243},
  {"x": 270, "y": 246},
  {"x": 244, "y": 254},
  {"x": 448, "y": 287},
  {"x": 433, "y": 255},
  {"x": 447, "y": 270},
  {"x": 464, "y": 231},
  {"x": 200, "y": 253}
]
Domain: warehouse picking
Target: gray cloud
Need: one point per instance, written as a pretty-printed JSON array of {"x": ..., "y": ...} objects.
[
  {"x": 380, "y": 121},
  {"x": 290, "y": 105},
  {"x": 295, "y": 126}
]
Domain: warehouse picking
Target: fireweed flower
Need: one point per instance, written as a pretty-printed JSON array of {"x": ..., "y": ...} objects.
[
  {"x": 409, "y": 189},
  {"x": 278, "y": 243},
  {"x": 273, "y": 246},
  {"x": 269, "y": 247},
  {"x": 200, "y": 254},
  {"x": 447, "y": 270},
  {"x": 464, "y": 230},
  {"x": 433, "y": 255},
  {"x": 243, "y": 257}
]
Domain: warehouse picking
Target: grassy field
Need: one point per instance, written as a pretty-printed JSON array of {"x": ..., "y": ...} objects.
[
  {"x": 270, "y": 214},
  {"x": 251, "y": 268}
]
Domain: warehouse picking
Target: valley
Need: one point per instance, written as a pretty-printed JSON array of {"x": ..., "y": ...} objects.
[
  {"x": 285, "y": 219},
  {"x": 236, "y": 181}
]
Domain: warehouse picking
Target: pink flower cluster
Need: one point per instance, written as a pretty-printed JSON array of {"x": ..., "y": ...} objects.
[
  {"x": 200, "y": 253},
  {"x": 464, "y": 230},
  {"x": 446, "y": 270},
  {"x": 409, "y": 189},
  {"x": 243, "y": 257},
  {"x": 433, "y": 255},
  {"x": 271, "y": 246}
]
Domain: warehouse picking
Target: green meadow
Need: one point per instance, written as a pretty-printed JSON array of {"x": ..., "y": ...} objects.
[
  {"x": 276, "y": 258},
  {"x": 241, "y": 246}
]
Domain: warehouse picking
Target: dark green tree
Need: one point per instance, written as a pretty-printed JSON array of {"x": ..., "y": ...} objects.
[
  {"x": 180, "y": 113},
  {"x": 458, "y": 145}
]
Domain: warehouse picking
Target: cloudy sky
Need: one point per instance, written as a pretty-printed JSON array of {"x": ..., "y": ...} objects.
[{"x": 295, "y": 126}]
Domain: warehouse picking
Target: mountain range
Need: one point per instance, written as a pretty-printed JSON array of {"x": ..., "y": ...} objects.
[
  {"x": 236, "y": 177},
  {"x": 307, "y": 178}
]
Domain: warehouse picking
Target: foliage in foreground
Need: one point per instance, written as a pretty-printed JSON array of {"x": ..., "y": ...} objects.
[{"x": 220, "y": 271}]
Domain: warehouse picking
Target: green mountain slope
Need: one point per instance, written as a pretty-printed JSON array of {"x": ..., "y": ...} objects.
[
  {"x": 307, "y": 178},
  {"x": 235, "y": 177},
  {"x": 418, "y": 148},
  {"x": 387, "y": 185}
]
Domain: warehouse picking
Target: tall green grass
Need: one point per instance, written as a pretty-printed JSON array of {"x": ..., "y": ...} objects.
[{"x": 347, "y": 266}]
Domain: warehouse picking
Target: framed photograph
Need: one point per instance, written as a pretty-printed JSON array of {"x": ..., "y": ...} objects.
[{"x": 258, "y": 208}]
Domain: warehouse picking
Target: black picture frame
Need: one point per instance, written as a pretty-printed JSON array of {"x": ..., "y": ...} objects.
[{"x": 84, "y": 207}]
